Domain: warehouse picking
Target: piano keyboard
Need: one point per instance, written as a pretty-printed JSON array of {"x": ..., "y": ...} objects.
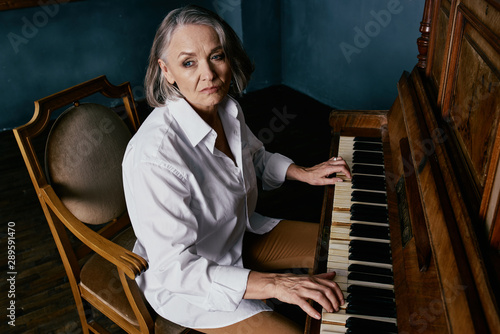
[{"x": 359, "y": 247}]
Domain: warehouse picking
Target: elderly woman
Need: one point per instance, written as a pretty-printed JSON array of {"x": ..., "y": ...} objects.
[{"x": 190, "y": 184}]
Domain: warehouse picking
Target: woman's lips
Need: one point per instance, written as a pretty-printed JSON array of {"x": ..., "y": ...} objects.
[{"x": 210, "y": 90}]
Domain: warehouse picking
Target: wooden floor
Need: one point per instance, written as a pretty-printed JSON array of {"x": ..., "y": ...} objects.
[{"x": 285, "y": 120}]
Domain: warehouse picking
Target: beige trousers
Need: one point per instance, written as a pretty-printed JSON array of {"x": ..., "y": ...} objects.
[{"x": 291, "y": 244}]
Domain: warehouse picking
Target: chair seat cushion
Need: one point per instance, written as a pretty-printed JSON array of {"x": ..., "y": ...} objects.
[{"x": 101, "y": 278}]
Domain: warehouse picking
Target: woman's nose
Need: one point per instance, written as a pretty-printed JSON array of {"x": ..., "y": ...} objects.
[{"x": 207, "y": 71}]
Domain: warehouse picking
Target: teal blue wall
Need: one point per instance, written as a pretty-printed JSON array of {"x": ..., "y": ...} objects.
[
  {"x": 46, "y": 49},
  {"x": 294, "y": 42},
  {"x": 262, "y": 39},
  {"x": 349, "y": 54}
]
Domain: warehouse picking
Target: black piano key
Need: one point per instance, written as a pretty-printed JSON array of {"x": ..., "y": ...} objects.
[
  {"x": 375, "y": 258},
  {"x": 368, "y": 197},
  {"x": 369, "y": 244},
  {"x": 358, "y": 290},
  {"x": 370, "y": 278},
  {"x": 369, "y": 209},
  {"x": 363, "y": 146},
  {"x": 369, "y": 213},
  {"x": 360, "y": 268},
  {"x": 374, "y": 158},
  {"x": 368, "y": 139},
  {"x": 368, "y": 218},
  {"x": 383, "y": 302},
  {"x": 364, "y": 291},
  {"x": 367, "y": 303},
  {"x": 368, "y": 182},
  {"x": 369, "y": 252},
  {"x": 369, "y": 231},
  {"x": 368, "y": 310},
  {"x": 367, "y": 169},
  {"x": 367, "y": 326}
]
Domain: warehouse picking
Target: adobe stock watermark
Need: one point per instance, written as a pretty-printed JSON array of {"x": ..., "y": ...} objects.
[
  {"x": 363, "y": 37},
  {"x": 277, "y": 124},
  {"x": 89, "y": 141},
  {"x": 421, "y": 320},
  {"x": 31, "y": 26}
]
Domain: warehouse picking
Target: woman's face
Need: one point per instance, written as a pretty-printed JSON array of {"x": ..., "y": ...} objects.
[{"x": 196, "y": 62}]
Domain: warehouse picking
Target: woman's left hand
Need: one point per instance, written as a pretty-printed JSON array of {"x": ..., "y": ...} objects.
[{"x": 320, "y": 174}]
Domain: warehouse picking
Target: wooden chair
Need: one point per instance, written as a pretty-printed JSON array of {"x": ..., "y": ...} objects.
[{"x": 79, "y": 188}]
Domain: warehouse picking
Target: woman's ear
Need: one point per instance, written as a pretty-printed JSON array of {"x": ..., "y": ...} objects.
[{"x": 166, "y": 72}]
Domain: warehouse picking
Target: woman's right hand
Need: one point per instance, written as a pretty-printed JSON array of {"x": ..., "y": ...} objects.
[{"x": 297, "y": 289}]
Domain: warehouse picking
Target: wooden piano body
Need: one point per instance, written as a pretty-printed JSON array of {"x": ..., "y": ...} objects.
[{"x": 441, "y": 141}]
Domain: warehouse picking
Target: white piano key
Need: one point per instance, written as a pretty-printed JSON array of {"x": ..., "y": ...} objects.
[
  {"x": 341, "y": 317},
  {"x": 346, "y": 262}
]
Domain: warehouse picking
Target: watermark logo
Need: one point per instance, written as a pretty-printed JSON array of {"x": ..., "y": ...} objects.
[
  {"x": 31, "y": 27},
  {"x": 277, "y": 124},
  {"x": 91, "y": 140},
  {"x": 363, "y": 37},
  {"x": 11, "y": 273}
]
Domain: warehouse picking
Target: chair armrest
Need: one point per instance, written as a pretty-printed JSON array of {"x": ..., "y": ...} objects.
[{"x": 130, "y": 263}]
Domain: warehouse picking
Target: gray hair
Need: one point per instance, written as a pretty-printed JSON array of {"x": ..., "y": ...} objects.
[{"x": 158, "y": 89}]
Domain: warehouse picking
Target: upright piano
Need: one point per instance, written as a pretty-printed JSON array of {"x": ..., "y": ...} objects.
[{"x": 414, "y": 236}]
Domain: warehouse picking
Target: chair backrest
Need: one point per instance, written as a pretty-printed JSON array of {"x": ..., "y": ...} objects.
[
  {"x": 45, "y": 108},
  {"x": 83, "y": 158}
]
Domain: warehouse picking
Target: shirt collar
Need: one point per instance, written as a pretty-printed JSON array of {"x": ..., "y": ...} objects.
[
  {"x": 190, "y": 122},
  {"x": 195, "y": 128}
]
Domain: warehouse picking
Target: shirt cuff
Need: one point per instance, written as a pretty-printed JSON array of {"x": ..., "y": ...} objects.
[
  {"x": 228, "y": 287},
  {"x": 275, "y": 171}
]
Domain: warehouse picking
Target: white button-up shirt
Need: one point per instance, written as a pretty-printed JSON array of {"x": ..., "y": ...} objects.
[{"x": 190, "y": 205}]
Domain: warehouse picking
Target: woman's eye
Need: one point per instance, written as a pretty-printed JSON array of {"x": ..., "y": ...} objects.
[
  {"x": 219, "y": 56},
  {"x": 187, "y": 63}
]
